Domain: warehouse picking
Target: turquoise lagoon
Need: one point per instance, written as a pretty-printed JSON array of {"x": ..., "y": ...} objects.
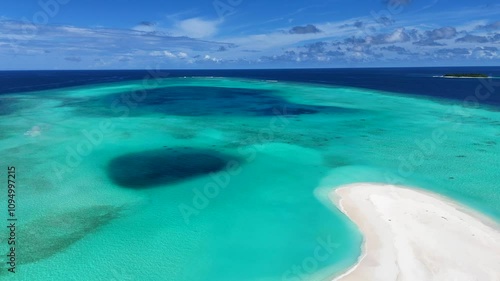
[{"x": 193, "y": 179}]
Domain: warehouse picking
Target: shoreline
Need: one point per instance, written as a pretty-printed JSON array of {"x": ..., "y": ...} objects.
[{"x": 412, "y": 234}]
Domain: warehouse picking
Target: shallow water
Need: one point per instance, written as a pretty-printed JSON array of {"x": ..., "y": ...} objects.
[{"x": 223, "y": 179}]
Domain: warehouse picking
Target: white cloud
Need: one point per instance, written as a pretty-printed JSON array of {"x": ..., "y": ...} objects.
[
  {"x": 397, "y": 36},
  {"x": 156, "y": 53},
  {"x": 275, "y": 39},
  {"x": 144, "y": 28},
  {"x": 165, "y": 53},
  {"x": 169, "y": 54},
  {"x": 196, "y": 28},
  {"x": 210, "y": 58}
]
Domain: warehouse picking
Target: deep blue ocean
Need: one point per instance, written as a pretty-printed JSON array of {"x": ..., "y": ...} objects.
[{"x": 415, "y": 81}]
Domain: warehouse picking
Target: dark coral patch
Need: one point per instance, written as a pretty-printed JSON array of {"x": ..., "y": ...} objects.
[
  {"x": 8, "y": 106},
  {"x": 53, "y": 234},
  {"x": 196, "y": 101},
  {"x": 165, "y": 166}
]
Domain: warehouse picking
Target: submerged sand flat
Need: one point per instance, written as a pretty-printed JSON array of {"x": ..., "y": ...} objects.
[{"x": 415, "y": 235}]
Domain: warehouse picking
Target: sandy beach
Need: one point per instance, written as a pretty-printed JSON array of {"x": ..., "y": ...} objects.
[{"x": 415, "y": 235}]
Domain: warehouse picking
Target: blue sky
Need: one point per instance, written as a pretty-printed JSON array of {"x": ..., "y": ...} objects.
[{"x": 132, "y": 34}]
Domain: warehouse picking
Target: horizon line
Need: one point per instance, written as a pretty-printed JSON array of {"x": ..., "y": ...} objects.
[{"x": 222, "y": 69}]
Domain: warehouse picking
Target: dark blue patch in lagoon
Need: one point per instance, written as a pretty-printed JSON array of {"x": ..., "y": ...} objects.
[
  {"x": 8, "y": 106},
  {"x": 196, "y": 101},
  {"x": 165, "y": 166}
]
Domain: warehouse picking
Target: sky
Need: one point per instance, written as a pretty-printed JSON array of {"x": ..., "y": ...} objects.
[{"x": 145, "y": 34}]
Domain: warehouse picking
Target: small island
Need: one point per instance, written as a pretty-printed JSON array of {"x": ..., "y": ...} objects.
[{"x": 465, "y": 75}]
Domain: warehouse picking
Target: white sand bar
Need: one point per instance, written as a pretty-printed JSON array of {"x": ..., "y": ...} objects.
[{"x": 416, "y": 235}]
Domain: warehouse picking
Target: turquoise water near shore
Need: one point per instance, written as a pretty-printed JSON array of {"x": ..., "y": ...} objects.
[{"x": 111, "y": 185}]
